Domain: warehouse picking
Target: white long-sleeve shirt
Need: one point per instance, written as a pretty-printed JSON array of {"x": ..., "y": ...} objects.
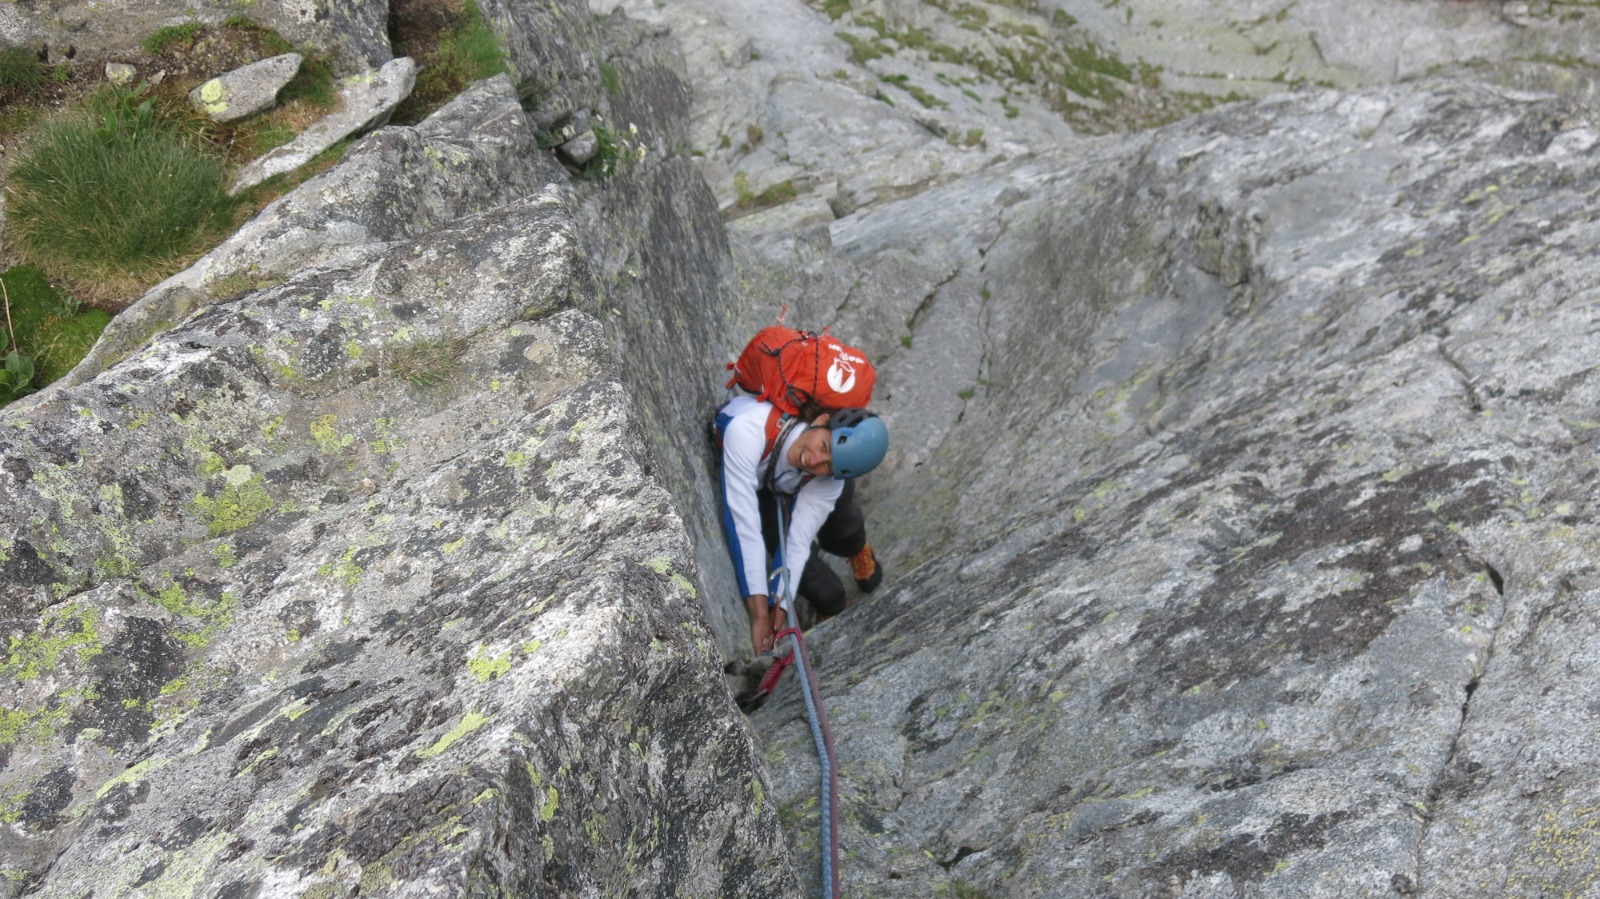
[{"x": 742, "y": 424}]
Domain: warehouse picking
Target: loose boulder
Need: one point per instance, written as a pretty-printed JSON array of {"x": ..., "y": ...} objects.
[
  {"x": 246, "y": 91},
  {"x": 120, "y": 73}
]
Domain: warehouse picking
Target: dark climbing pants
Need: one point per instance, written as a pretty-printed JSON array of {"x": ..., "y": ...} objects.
[{"x": 843, "y": 534}]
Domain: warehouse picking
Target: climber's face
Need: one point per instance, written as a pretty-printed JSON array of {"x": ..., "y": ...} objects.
[{"x": 812, "y": 451}]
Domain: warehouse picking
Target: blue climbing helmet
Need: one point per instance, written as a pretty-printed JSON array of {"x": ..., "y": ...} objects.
[{"x": 859, "y": 442}]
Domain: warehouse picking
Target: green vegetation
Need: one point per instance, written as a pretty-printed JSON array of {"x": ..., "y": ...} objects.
[
  {"x": 113, "y": 189},
  {"x": 606, "y": 156},
  {"x": 861, "y": 50},
  {"x": 426, "y": 363},
  {"x": 610, "y": 78},
  {"x": 454, "y": 47},
  {"x": 749, "y": 201},
  {"x": 313, "y": 84},
  {"x": 16, "y": 377},
  {"x": 174, "y": 36},
  {"x": 115, "y": 194},
  {"x": 1035, "y": 55},
  {"x": 22, "y": 76},
  {"x": 278, "y": 185},
  {"x": 929, "y": 101},
  {"x": 46, "y": 333},
  {"x": 25, "y": 84}
]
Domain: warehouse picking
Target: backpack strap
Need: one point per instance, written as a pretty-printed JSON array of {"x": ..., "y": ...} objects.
[{"x": 778, "y": 427}]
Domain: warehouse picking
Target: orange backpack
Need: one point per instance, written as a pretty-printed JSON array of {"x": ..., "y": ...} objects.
[{"x": 790, "y": 368}]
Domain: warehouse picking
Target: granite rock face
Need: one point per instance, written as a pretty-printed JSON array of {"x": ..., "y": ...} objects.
[
  {"x": 1237, "y": 518},
  {"x": 357, "y": 578},
  {"x": 343, "y": 614},
  {"x": 1246, "y": 564}
]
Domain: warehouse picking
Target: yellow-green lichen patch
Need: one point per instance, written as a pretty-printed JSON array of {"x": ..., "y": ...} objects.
[
  {"x": 11, "y": 806},
  {"x": 214, "y": 97},
  {"x": 37, "y": 726},
  {"x": 363, "y": 301},
  {"x": 295, "y": 709},
  {"x": 185, "y": 872},
  {"x": 1561, "y": 856},
  {"x": 552, "y": 800},
  {"x": 470, "y": 722},
  {"x": 241, "y": 501},
  {"x": 212, "y": 616},
  {"x": 326, "y": 437},
  {"x": 211, "y": 465},
  {"x": 106, "y": 516},
  {"x": 61, "y": 630},
  {"x": 345, "y": 570},
  {"x": 384, "y": 439},
  {"x": 485, "y": 668},
  {"x": 132, "y": 775}
]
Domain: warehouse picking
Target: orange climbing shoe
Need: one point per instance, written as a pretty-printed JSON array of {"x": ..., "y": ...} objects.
[{"x": 868, "y": 573}]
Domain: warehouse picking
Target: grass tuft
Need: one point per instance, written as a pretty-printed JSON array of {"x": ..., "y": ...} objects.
[
  {"x": 426, "y": 363},
  {"x": 463, "y": 50},
  {"x": 22, "y": 76},
  {"x": 610, "y": 78},
  {"x": 173, "y": 36},
  {"x": 835, "y": 9},
  {"x": 113, "y": 194},
  {"x": 749, "y": 201}
]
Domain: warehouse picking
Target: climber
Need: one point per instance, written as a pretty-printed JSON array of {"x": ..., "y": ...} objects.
[{"x": 803, "y": 464}]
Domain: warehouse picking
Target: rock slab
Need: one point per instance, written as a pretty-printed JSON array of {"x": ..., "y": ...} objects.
[{"x": 366, "y": 101}]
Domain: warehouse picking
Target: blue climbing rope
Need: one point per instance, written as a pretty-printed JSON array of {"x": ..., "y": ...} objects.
[{"x": 821, "y": 735}]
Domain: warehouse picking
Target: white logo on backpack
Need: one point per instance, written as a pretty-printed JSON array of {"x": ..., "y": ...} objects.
[{"x": 841, "y": 376}]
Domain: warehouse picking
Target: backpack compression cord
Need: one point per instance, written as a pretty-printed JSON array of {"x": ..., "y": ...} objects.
[{"x": 822, "y": 736}]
